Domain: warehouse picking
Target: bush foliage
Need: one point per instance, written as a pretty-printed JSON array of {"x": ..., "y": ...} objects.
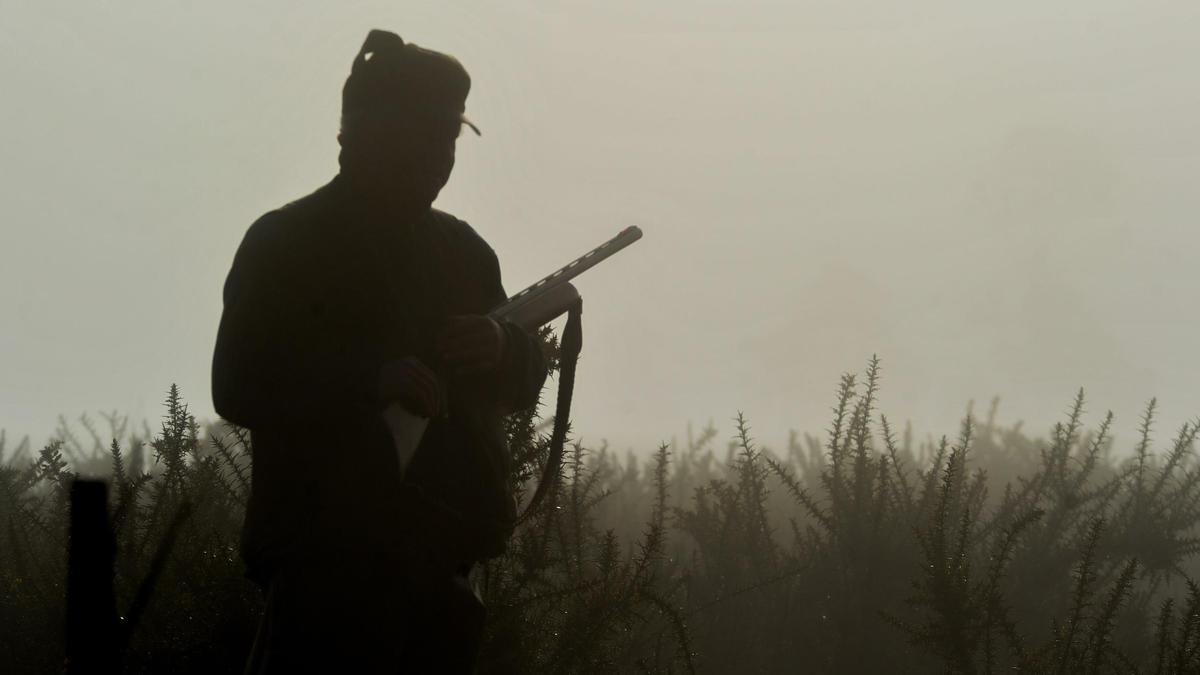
[{"x": 859, "y": 552}]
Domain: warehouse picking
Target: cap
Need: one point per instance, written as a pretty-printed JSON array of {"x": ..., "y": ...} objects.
[{"x": 390, "y": 75}]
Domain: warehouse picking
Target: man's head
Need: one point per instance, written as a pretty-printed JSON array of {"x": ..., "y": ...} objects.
[{"x": 402, "y": 110}]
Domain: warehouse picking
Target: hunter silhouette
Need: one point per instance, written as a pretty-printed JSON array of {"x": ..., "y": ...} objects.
[{"x": 353, "y": 298}]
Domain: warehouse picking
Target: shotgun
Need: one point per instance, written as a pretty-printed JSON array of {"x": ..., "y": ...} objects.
[{"x": 539, "y": 304}]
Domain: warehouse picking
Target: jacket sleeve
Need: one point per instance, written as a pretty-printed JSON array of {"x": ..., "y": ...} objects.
[
  {"x": 520, "y": 378},
  {"x": 275, "y": 362}
]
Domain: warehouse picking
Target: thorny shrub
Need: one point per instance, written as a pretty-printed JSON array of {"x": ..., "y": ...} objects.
[{"x": 864, "y": 552}]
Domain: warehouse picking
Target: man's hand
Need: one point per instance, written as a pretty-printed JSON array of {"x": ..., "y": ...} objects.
[
  {"x": 414, "y": 385},
  {"x": 472, "y": 343}
]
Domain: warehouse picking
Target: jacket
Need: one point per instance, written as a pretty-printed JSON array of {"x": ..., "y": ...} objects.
[{"x": 321, "y": 294}]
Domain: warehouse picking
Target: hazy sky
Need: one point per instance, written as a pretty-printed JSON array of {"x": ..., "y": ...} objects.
[{"x": 998, "y": 198}]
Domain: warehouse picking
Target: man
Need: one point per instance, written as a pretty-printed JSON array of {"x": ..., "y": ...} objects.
[{"x": 338, "y": 305}]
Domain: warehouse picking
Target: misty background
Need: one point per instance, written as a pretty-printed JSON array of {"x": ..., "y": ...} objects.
[{"x": 996, "y": 198}]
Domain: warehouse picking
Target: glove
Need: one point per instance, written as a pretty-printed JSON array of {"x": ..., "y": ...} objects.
[{"x": 414, "y": 385}]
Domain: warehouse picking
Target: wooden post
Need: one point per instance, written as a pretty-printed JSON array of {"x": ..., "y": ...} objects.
[{"x": 92, "y": 637}]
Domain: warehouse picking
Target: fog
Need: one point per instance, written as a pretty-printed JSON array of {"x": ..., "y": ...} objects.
[{"x": 998, "y": 199}]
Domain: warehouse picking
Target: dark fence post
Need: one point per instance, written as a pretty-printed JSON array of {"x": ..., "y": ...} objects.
[{"x": 93, "y": 645}]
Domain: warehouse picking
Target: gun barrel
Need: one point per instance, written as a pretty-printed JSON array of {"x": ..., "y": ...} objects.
[{"x": 569, "y": 271}]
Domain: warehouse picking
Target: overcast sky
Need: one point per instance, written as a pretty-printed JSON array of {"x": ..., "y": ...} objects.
[{"x": 998, "y": 198}]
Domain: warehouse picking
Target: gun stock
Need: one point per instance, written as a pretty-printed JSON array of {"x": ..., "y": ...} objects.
[{"x": 543, "y": 309}]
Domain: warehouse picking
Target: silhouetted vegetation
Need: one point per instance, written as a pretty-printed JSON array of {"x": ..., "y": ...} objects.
[{"x": 863, "y": 551}]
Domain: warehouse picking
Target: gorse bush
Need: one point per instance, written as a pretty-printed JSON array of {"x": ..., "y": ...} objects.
[
  {"x": 202, "y": 614},
  {"x": 862, "y": 552}
]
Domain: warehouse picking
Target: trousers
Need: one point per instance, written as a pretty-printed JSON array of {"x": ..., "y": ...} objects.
[{"x": 369, "y": 615}]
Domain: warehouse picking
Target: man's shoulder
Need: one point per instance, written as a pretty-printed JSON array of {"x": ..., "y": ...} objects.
[
  {"x": 287, "y": 225},
  {"x": 459, "y": 230},
  {"x": 450, "y": 222},
  {"x": 298, "y": 213}
]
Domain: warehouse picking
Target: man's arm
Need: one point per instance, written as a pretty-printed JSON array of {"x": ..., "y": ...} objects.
[
  {"x": 514, "y": 379},
  {"x": 523, "y": 373},
  {"x": 276, "y": 363}
]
